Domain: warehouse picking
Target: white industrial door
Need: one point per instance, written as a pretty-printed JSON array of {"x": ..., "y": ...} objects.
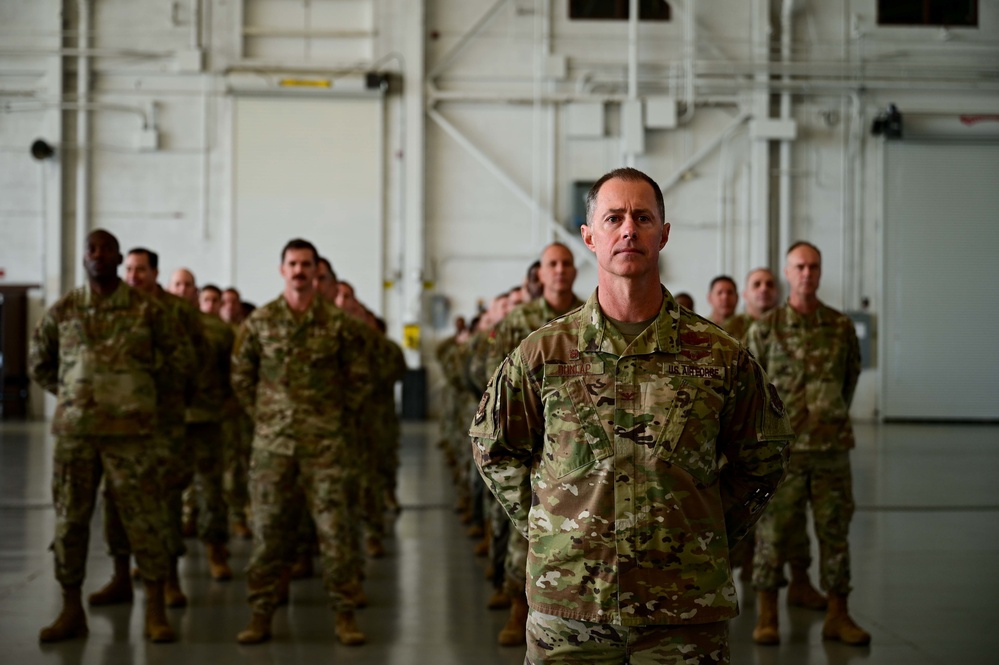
[
  {"x": 309, "y": 168},
  {"x": 941, "y": 318}
]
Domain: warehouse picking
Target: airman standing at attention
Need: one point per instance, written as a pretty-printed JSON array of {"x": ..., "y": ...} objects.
[
  {"x": 298, "y": 372},
  {"x": 812, "y": 352},
  {"x": 723, "y": 296},
  {"x": 141, "y": 273},
  {"x": 106, "y": 352},
  {"x": 557, "y": 274},
  {"x": 603, "y": 435}
]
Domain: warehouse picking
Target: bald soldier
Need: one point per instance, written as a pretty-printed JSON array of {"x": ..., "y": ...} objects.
[
  {"x": 603, "y": 435},
  {"x": 556, "y": 274},
  {"x": 107, "y": 352},
  {"x": 813, "y": 354}
]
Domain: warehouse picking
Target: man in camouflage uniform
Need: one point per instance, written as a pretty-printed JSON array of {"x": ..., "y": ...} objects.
[
  {"x": 141, "y": 273},
  {"x": 812, "y": 352},
  {"x": 557, "y": 273},
  {"x": 760, "y": 296},
  {"x": 723, "y": 296},
  {"x": 297, "y": 370},
  {"x": 205, "y": 440},
  {"x": 106, "y": 351},
  {"x": 603, "y": 434},
  {"x": 237, "y": 433}
]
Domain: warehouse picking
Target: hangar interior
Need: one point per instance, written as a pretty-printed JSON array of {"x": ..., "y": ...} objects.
[{"x": 432, "y": 148}]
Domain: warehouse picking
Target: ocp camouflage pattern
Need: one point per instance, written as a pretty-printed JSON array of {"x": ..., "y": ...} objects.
[{"x": 632, "y": 512}]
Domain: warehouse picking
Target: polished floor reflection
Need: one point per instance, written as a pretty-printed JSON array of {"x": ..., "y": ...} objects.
[{"x": 925, "y": 545}]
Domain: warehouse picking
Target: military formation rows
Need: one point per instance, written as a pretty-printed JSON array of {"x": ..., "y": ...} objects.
[{"x": 200, "y": 415}]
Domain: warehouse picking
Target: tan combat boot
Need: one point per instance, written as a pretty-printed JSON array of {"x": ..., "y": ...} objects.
[
  {"x": 303, "y": 568},
  {"x": 218, "y": 561},
  {"x": 499, "y": 600},
  {"x": 347, "y": 630},
  {"x": 766, "y": 630},
  {"x": 71, "y": 622},
  {"x": 119, "y": 589},
  {"x": 157, "y": 627},
  {"x": 241, "y": 530},
  {"x": 514, "y": 633},
  {"x": 801, "y": 593},
  {"x": 840, "y": 626},
  {"x": 257, "y": 631},
  {"x": 375, "y": 547},
  {"x": 172, "y": 593}
]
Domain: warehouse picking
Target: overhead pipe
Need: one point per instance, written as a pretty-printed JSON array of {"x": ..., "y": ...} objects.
[
  {"x": 83, "y": 156},
  {"x": 784, "y": 156},
  {"x": 690, "y": 50}
]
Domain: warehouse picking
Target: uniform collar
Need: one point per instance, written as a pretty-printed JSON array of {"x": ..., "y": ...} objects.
[
  {"x": 119, "y": 297},
  {"x": 597, "y": 334}
]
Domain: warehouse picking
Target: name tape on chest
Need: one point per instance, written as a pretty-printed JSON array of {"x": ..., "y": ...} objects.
[{"x": 585, "y": 368}]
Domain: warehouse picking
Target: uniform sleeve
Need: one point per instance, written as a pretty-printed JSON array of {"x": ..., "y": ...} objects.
[
  {"x": 852, "y": 363},
  {"x": 43, "y": 354},
  {"x": 246, "y": 367},
  {"x": 358, "y": 350},
  {"x": 754, "y": 438},
  {"x": 507, "y": 429},
  {"x": 174, "y": 346}
]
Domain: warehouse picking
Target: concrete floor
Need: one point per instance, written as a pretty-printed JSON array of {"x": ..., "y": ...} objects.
[{"x": 925, "y": 545}]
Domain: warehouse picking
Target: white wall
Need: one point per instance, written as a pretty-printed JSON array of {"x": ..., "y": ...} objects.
[{"x": 474, "y": 186}]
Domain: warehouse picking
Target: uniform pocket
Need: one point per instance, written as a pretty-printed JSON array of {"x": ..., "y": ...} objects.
[
  {"x": 689, "y": 438},
  {"x": 574, "y": 436}
]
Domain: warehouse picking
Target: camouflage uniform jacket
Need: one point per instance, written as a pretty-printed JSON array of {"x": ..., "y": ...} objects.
[
  {"x": 108, "y": 360},
  {"x": 738, "y": 326},
  {"x": 185, "y": 317},
  {"x": 476, "y": 357},
  {"x": 212, "y": 387},
  {"x": 814, "y": 360},
  {"x": 299, "y": 376},
  {"x": 611, "y": 465},
  {"x": 518, "y": 324}
]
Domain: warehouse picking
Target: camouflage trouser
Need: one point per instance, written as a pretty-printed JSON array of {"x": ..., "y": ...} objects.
[
  {"x": 552, "y": 639},
  {"x": 173, "y": 461},
  {"x": 372, "y": 487},
  {"x": 516, "y": 560},
  {"x": 206, "y": 443},
  {"x": 237, "y": 433},
  {"x": 498, "y": 540},
  {"x": 132, "y": 476},
  {"x": 275, "y": 485},
  {"x": 799, "y": 553},
  {"x": 824, "y": 480}
]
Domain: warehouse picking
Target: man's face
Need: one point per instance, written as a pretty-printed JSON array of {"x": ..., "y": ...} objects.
[
  {"x": 231, "y": 309},
  {"x": 182, "y": 284},
  {"x": 101, "y": 256},
  {"x": 516, "y": 297},
  {"x": 534, "y": 286},
  {"x": 138, "y": 273},
  {"x": 210, "y": 301},
  {"x": 723, "y": 298},
  {"x": 761, "y": 291},
  {"x": 625, "y": 231},
  {"x": 325, "y": 283},
  {"x": 298, "y": 268},
  {"x": 803, "y": 271},
  {"x": 558, "y": 271}
]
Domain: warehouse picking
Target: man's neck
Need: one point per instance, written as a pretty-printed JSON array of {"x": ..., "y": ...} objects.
[
  {"x": 718, "y": 318},
  {"x": 630, "y": 300},
  {"x": 298, "y": 301},
  {"x": 104, "y": 287},
  {"x": 560, "y": 302},
  {"x": 803, "y": 304}
]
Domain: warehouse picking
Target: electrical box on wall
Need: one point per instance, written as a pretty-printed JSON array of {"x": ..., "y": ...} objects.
[
  {"x": 660, "y": 112},
  {"x": 773, "y": 130},
  {"x": 633, "y": 126}
]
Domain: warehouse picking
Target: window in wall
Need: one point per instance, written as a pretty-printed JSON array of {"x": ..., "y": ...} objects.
[
  {"x": 648, "y": 10},
  {"x": 950, "y": 13}
]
